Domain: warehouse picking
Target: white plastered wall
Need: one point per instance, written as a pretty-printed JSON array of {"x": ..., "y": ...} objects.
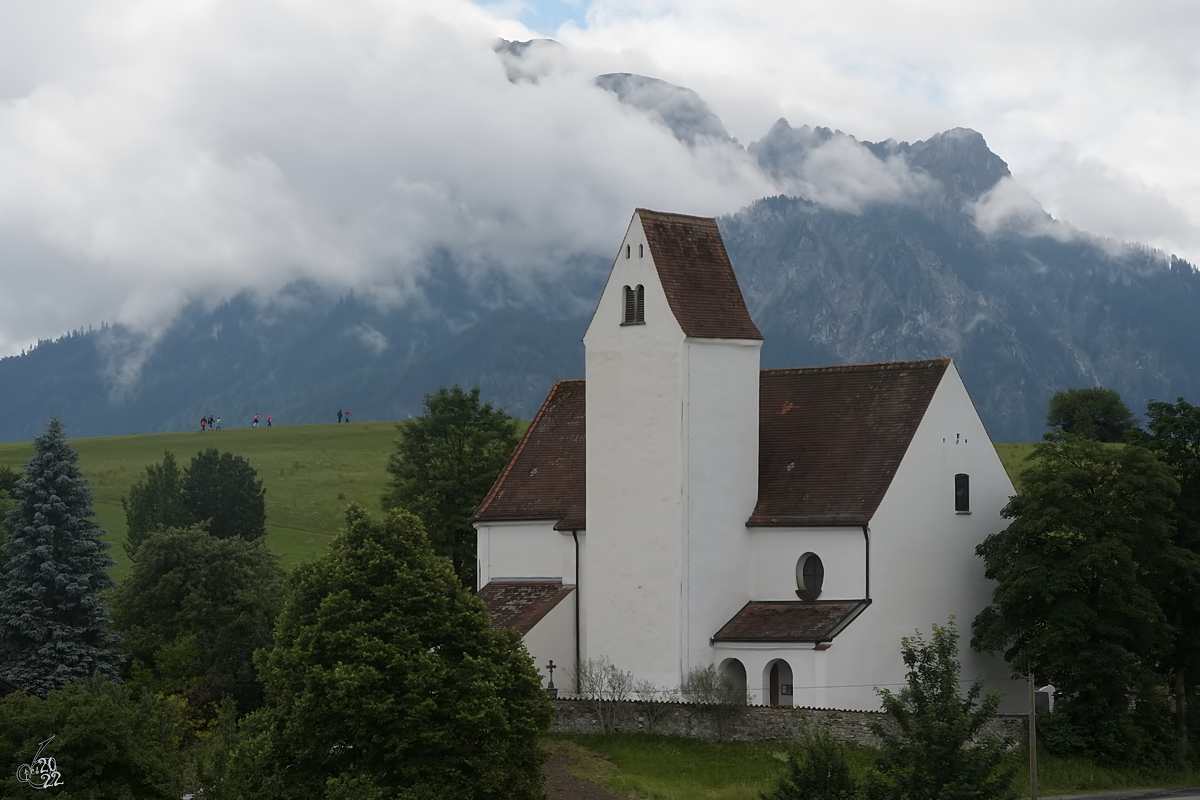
[
  {"x": 721, "y": 380},
  {"x": 923, "y": 567},
  {"x": 531, "y": 549},
  {"x": 634, "y": 475},
  {"x": 553, "y": 638},
  {"x": 843, "y": 553}
]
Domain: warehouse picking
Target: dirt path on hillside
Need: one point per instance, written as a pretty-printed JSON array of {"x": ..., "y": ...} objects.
[{"x": 561, "y": 784}]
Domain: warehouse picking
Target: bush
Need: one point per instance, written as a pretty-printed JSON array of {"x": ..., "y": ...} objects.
[
  {"x": 605, "y": 687},
  {"x": 821, "y": 772},
  {"x": 716, "y": 696}
]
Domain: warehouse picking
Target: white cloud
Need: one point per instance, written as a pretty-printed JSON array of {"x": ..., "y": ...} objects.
[
  {"x": 369, "y": 337},
  {"x": 152, "y": 154}
]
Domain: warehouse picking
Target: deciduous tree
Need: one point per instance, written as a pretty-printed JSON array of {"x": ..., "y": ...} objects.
[
  {"x": 445, "y": 462},
  {"x": 54, "y": 625},
  {"x": 224, "y": 491},
  {"x": 194, "y": 608},
  {"x": 218, "y": 490},
  {"x": 938, "y": 746},
  {"x": 1078, "y": 574},
  {"x": 154, "y": 503},
  {"x": 1093, "y": 413},
  {"x": 387, "y": 680}
]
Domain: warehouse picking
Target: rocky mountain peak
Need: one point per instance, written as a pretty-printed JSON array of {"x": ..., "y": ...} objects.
[{"x": 680, "y": 109}]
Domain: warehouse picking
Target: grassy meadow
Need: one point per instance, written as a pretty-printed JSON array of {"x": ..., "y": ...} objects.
[
  {"x": 311, "y": 472},
  {"x": 1012, "y": 456}
]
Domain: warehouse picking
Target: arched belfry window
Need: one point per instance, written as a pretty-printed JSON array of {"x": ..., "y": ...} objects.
[
  {"x": 635, "y": 305},
  {"x": 962, "y": 493}
]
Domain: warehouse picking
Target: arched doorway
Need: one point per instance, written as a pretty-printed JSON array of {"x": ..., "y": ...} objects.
[
  {"x": 736, "y": 671},
  {"x": 777, "y": 680}
]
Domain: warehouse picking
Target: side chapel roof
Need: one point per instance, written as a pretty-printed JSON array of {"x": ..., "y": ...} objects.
[
  {"x": 830, "y": 442},
  {"x": 521, "y": 604},
  {"x": 696, "y": 276},
  {"x": 546, "y": 476}
]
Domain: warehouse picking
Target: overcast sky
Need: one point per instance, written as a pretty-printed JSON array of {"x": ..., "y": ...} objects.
[{"x": 153, "y": 153}]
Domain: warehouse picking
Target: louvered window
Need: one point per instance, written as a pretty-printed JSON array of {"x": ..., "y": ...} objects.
[
  {"x": 962, "y": 493},
  {"x": 635, "y": 305}
]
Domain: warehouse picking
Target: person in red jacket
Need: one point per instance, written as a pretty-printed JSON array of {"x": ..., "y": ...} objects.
[{"x": 255, "y": 423}]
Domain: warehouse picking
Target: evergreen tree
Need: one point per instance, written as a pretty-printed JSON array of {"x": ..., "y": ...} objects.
[
  {"x": 445, "y": 462},
  {"x": 155, "y": 503},
  {"x": 387, "y": 680},
  {"x": 54, "y": 626}
]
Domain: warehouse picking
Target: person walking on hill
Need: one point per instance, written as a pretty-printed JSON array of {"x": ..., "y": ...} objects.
[
  {"x": 347, "y": 415},
  {"x": 210, "y": 423},
  {"x": 268, "y": 420},
  {"x": 218, "y": 424},
  {"x": 255, "y": 423},
  {"x": 203, "y": 422},
  {"x": 339, "y": 416}
]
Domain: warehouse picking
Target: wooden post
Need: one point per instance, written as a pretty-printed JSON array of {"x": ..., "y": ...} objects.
[{"x": 1033, "y": 776}]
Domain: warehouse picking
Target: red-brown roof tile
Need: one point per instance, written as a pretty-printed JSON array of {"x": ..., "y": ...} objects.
[
  {"x": 832, "y": 438},
  {"x": 521, "y": 604},
  {"x": 546, "y": 476},
  {"x": 790, "y": 621},
  {"x": 697, "y": 277}
]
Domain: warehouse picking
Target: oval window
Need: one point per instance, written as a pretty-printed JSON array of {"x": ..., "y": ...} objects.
[{"x": 810, "y": 574}]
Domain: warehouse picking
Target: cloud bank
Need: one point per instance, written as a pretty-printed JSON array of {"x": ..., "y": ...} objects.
[{"x": 155, "y": 154}]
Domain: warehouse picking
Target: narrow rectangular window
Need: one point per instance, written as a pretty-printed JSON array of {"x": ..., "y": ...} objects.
[
  {"x": 630, "y": 306},
  {"x": 639, "y": 312},
  {"x": 962, "y": 493}
]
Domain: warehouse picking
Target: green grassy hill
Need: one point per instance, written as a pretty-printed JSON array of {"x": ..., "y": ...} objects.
[{"x": 311, "y": 472}]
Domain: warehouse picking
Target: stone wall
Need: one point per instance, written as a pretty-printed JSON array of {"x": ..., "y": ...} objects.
[{"x": 754, "y": 724}]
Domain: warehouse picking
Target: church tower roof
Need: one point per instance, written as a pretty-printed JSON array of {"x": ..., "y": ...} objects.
[{"x": 696, "y": 276}]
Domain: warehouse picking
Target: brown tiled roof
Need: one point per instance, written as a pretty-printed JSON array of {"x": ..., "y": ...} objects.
[
  {"x": 831, "y": 438},
  {"x": 521, "y": 604},
  {"x": 790, "y": 621},
  {"x": 697, "y": 277},
  {"x": 546, "y": 476}
]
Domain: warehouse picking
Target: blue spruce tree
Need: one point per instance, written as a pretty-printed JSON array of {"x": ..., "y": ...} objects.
[{"x": 54, "y": 626}]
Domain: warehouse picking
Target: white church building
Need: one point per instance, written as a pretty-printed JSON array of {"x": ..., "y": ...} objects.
[{"x": 682, "y": 507}]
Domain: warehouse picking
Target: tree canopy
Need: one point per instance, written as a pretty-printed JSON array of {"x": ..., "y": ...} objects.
[
  {"x": 107, "y": 743},
  {"x": 387, "y": 680},
  {"x": 445, "y": 462},
  {"x": 54, "y": 625},
  {"x": 154, "y": 503},
  {"x": 1093, "y": 413},
  {"x": 194, "y": 608},
  {"x": 220, "y": 491},
  {"x": 1079, "y": 576}
]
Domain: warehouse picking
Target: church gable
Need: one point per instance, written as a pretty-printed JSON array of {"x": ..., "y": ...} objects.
[{"x": 832, "y": 438}]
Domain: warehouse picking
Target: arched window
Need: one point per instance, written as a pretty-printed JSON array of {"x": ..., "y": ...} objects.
[
  {"x": 962, "y": 493},
  {"x": 627, "y": 251},
  {"x": 641, "y": 251},
  {"x": 810, "y": 575},
  {"x": 635, "y": 305}
]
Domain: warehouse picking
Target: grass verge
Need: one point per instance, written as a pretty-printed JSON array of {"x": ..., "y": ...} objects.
[{"x": 670, "y": 768}]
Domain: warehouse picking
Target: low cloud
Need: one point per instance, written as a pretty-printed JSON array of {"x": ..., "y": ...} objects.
[
  {"x": 370, "y": 338},
  {"x": 1008, "y": 208}
]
